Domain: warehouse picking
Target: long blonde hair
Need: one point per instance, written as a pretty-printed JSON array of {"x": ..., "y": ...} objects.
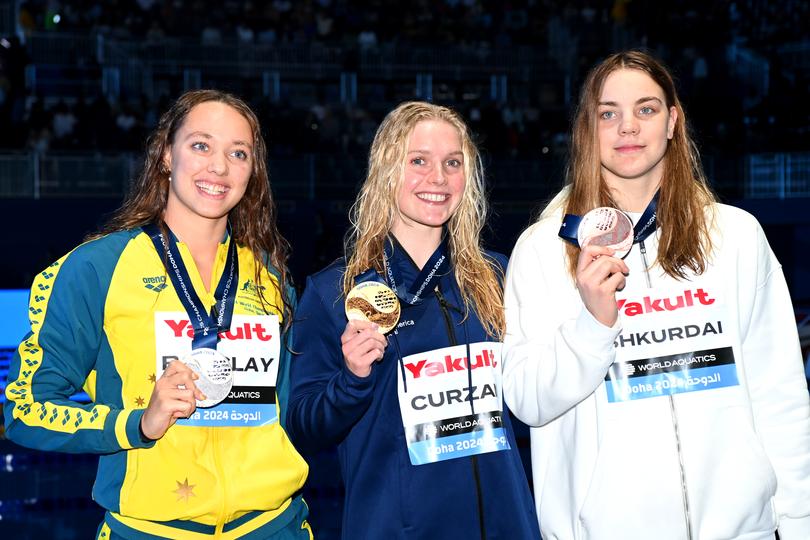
[
  {"x": 374, "y": 212},
  {"x": 252, "y": 220},
  {"x": 685, "y": 244}
]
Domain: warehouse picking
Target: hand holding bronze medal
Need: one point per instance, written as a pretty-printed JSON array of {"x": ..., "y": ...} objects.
[
  {"x": 609, "y": 227},
  {"x": 373, "y": 302}
]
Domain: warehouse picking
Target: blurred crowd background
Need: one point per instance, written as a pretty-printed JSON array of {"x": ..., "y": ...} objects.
[{"x": 738, "y": 65}]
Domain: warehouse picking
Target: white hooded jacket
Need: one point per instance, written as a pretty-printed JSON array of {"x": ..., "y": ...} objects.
[{"x": 705, "y": 433}]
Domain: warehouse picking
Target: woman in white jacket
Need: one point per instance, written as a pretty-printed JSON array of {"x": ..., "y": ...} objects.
[{"x": 665, "y": 389}]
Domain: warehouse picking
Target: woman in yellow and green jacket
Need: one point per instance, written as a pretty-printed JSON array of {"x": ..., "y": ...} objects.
[{"x": 191, "y": 267}]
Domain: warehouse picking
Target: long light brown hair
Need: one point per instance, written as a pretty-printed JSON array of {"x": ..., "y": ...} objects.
[
  {"x": 252, "y": 220},
  {"x": 684, "y": 194},
  {"x": 376, "y": 210}
]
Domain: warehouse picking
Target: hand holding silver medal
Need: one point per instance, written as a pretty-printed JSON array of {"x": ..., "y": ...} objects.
[{"x": 213, "y": 368}]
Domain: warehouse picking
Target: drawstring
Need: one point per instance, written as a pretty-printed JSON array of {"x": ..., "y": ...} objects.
[
  {"x": 401, "y": 362},
  {"x": 469, "y": 369},
  {"x": 467, "y": 346}
]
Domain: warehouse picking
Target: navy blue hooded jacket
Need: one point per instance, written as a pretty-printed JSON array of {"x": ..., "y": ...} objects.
[{"x": 483, "y": 496}]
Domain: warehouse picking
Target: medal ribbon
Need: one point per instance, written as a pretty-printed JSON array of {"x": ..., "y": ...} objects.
[
  {"x": 206, "y": 325},
  {"x": 642, "y": 229},
  {"x": 434, "y": 268}
]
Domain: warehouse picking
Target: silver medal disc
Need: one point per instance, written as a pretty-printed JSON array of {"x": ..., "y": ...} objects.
[
  {"x": 605, "y": 226},
  {"x": 216, "y": 376}
]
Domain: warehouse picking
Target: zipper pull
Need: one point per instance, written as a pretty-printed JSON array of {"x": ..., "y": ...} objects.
[{"x": 440, "y": 297}]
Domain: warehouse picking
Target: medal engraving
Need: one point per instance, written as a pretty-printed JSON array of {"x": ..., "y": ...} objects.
[
  {"x": 607, "y": 227},
  {"x": 374, "y": 302},
  {"x": 216, "y": 376}
]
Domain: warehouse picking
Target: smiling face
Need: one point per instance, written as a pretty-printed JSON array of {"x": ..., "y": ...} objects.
[
  {"x": 433, "y": 179},
  {"x": 211, "y": 162},
  {"x": 634, "y": 127}
]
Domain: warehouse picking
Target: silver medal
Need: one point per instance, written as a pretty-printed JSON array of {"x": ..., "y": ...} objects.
[{"x": 216, "y": 375}]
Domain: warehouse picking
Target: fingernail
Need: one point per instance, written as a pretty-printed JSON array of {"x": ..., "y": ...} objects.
[{"x": 375, "y": 326}]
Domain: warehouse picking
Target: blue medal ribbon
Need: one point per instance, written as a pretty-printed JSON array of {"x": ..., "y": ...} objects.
[
  {"x": 647, "y": 223},
  {"x": 436, "y": 266},
  {"x": 645, "y": 226},
  {"x": 368, "y": 275},
  {"x": 207, "y": 326}
]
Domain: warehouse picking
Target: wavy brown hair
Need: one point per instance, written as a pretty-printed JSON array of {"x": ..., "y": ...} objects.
[
  {"x": 375, "y": 211},
  {"x": 252, "y": 220},
  {"x": 684, "y": 196}
]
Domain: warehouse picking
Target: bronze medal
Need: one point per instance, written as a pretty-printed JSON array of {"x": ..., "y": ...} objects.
[{"x": 609, "y": 227}]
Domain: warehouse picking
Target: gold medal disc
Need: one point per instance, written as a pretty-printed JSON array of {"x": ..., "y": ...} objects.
[{"x": 374, "y": 302}]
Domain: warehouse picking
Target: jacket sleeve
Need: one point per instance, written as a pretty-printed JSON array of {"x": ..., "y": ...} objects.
[
  {"x": 326, "y": 399},
  {"x": 549, "y": 366},
  {"x": 779, "y": 397},
  {"x": 66, "y": 311},
  {"x": 283, "y": 382}
]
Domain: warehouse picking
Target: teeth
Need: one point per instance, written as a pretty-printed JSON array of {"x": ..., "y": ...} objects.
[
  {"x": 211, "y": 189},
  {"x": 432, "y": 197}
]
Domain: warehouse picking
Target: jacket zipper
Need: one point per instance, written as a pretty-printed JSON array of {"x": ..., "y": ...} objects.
[
  {"x": 684, "y": 495},
  {"x": 448, "y": 321},
  {"x": 686, "y": 516},
  {"x": 221, "y": 474},
  {"x": 644, "y": 262}
]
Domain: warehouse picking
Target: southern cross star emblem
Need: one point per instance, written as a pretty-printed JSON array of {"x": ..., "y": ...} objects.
[
  {"x": 151, "y": 378},
  {"x": 139, "y": 401},
  {"x": 184, "y": 491}
]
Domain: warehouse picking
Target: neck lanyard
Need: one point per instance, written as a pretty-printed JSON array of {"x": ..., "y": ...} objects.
[
  {"x": 436, "y": 266},
  {"x": 645, "y": 226},
  {"x": 206, "y": 325},
  {"x": 647, "y": 222}
]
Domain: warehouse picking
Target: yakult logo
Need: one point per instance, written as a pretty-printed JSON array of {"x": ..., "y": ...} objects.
[
  {"x": 243, "y": 331},
  {"x": 450, "y": 364},
  {"x": 651, "y": 305}
]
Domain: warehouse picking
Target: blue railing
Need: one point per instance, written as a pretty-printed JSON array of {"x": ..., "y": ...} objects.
[
  {"x": 777, "y": 175},
  {"x": 336, "y": 176},
  {"x": 307, "y": 60}
]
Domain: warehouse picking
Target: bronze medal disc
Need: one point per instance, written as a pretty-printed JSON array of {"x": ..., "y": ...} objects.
[{"x": 609, "y": 227}]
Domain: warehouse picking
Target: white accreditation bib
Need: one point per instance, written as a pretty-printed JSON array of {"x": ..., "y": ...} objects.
[
  {"x": 253, "y": 346},
  {"x": 446, "y": 416},
  {"x": 674, "y": 339}
]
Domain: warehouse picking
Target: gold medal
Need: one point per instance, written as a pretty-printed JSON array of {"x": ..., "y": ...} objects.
[
  {"x": 605, "y": 226},
  {"x": 374, "y": 302}
]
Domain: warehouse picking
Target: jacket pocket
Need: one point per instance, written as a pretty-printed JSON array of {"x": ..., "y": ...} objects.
[
  {"x": 635, "y": 489},
  {"x": 734, "y": 482}
]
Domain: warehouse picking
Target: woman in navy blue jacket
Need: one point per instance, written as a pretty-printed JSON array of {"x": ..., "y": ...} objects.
[{"x": 426, "y": 448}]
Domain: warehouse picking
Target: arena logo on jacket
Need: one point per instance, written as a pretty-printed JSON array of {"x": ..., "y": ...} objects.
[
  {"x": 252, "y": 344},
  {"x": 451, "y": 407},
  {"x": 673, "y": 340}
]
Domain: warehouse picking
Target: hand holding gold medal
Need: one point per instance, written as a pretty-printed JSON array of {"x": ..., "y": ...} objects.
[
  {"x": 373, "y": 302},
  {"x": 372, "y": 310}
]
